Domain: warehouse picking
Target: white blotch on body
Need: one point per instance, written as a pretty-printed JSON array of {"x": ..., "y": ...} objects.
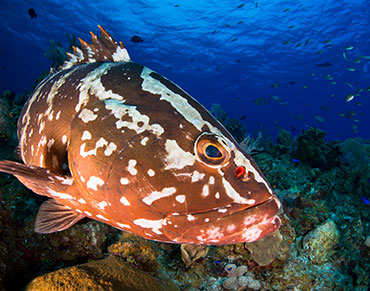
[
  {"x": 180, "y": 198},
  {"x": 131, "y": 167},
  {"x": 94, "y": 182},
  {"x": 124, "y": 201},
  {"x": 86, "y": 135},
  {"x": 155, "y": 225}
]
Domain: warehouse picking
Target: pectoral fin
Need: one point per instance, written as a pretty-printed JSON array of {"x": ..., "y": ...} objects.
[{"x": 53, "y": 217}]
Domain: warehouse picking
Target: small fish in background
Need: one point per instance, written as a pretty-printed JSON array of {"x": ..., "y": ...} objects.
[
  {"x": 261, "y": 101},
  {"x": 275, "y": 85},
  {"x": 298, "y": 44},
  {"x": 348, "y": 48},
  {"x": 349, "y": 85},
  {"x": 292, "y": 82},
  {"x": 243, "y": 117},
  {"x": 136, "y": 39},
  {"x": 241, "y": 5},
  {"x": 296, "y": 161},
  {"x": 351, "y": 69},
  {"x": 307, "y": 41},
  {"x": 328, "y": 46},
  {"x": 294, "y": 130},
  {"x": 346, "y": 58},
  {"x": 366, "y": 201},
  {"x": 324, "y": 108},
  {"x": 32, "y": 13},
  {"x": 323, "y": 65},
  {"x": 349, "y": 97},
  {"x": 318, "y": 118}
]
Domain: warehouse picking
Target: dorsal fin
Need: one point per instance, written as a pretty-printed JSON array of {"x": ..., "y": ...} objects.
[{"x": 101, "y": 49}]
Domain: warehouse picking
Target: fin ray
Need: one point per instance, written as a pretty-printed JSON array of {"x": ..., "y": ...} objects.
[
  {"x": 101, "y": 49},
  {"x": 53, "y": 216}
]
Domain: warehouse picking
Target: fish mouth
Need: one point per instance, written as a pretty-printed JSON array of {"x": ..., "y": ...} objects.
[{"x": 235, "y": 223}]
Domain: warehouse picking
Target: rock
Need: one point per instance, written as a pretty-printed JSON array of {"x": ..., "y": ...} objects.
[
  {"x": 318, "y": 243},
  {"x": 191, "y": 253},
  {"x": 111, "y": 273},
  {"x": 265, "y": 250},
  {"x": 367, "y": 241}
]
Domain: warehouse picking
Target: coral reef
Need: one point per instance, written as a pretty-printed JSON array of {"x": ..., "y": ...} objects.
[
  {"x": 107, "y": 274},
  {"x": 319, "y": 243}
]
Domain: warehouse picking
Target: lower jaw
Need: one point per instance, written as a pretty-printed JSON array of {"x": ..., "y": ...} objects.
[{"x": 243, "y": 226}]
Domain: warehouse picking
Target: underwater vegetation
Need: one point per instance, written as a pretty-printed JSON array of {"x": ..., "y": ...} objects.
[{"x": 323, "y": 243}]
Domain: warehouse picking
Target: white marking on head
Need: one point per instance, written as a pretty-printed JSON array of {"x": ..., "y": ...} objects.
[
  {"x": 64, "y": 139},
  {"x": 178, "y": 102},
  {"x": 241, "y": 160},
  {"x": 206, "y": 220},
  {"x": 230, "y": 191},
  {"x": 205, "y": 191},
  {"x": 86, "y": 135},
  {"x": 211, "y": 180},
  {"x": 94, "y": 182},
  {"x": 87, "y": 213},
  {"x": 91, "y": 84},
  {"x": 155, "y": 225},
  {"x": 190, "y": 217},
  {"x": 144, "y": 140},
  {"x": 131, "y": 167},
  {"x": 139, "y": 123},
  {"x": 151, "y": 173},
  {"x": 102, "y": 204},
  {"x": 222, "y": 210},
  {"x": 87, "y": 115},
  {"x": 58, "y": 115},
  {"x": 168, "y": 191},
  {"x": 124, "y": 201},
  {"x": 110, "y": 148},
  {"x": 124, "y": 181},
  {"x": 180, "y": 198},
  {"x": 176, "y": 157},
  {"x": 196, "y": 176}
]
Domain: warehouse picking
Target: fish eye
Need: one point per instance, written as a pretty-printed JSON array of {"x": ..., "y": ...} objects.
[{"x": 211, "y": 150}]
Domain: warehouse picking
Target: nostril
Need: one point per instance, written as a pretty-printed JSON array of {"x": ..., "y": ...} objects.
[{"x": 239, "y": 172}]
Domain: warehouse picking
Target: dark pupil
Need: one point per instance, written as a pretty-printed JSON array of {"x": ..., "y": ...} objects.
[{"x": 213, "y": 152}]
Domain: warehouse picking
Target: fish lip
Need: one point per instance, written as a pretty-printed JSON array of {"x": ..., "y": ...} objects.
[
  {"x": 235, "y": 207},
  {"x": 243, "y": 224}
]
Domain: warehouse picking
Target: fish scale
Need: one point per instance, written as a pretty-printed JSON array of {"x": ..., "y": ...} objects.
[{"x": 143, "y": 155}]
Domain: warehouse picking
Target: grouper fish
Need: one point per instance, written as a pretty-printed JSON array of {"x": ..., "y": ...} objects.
[{"x": 111, "y": 140}]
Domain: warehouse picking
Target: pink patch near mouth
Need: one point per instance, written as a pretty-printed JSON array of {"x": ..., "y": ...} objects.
[{"x": 221, "y": 228}]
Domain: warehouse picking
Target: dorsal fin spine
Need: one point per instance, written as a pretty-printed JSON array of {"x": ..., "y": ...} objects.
[{"x": 101, "y": 49}]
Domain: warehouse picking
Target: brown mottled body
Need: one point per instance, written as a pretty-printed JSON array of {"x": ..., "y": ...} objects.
[{"x": 143, "y": 156}]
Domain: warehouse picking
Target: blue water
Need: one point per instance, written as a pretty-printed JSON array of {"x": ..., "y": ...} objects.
[{"x": 219, "y": 52}]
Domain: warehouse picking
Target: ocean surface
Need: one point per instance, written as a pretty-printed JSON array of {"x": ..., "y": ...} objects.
[{"x": 272, "y": 64}]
